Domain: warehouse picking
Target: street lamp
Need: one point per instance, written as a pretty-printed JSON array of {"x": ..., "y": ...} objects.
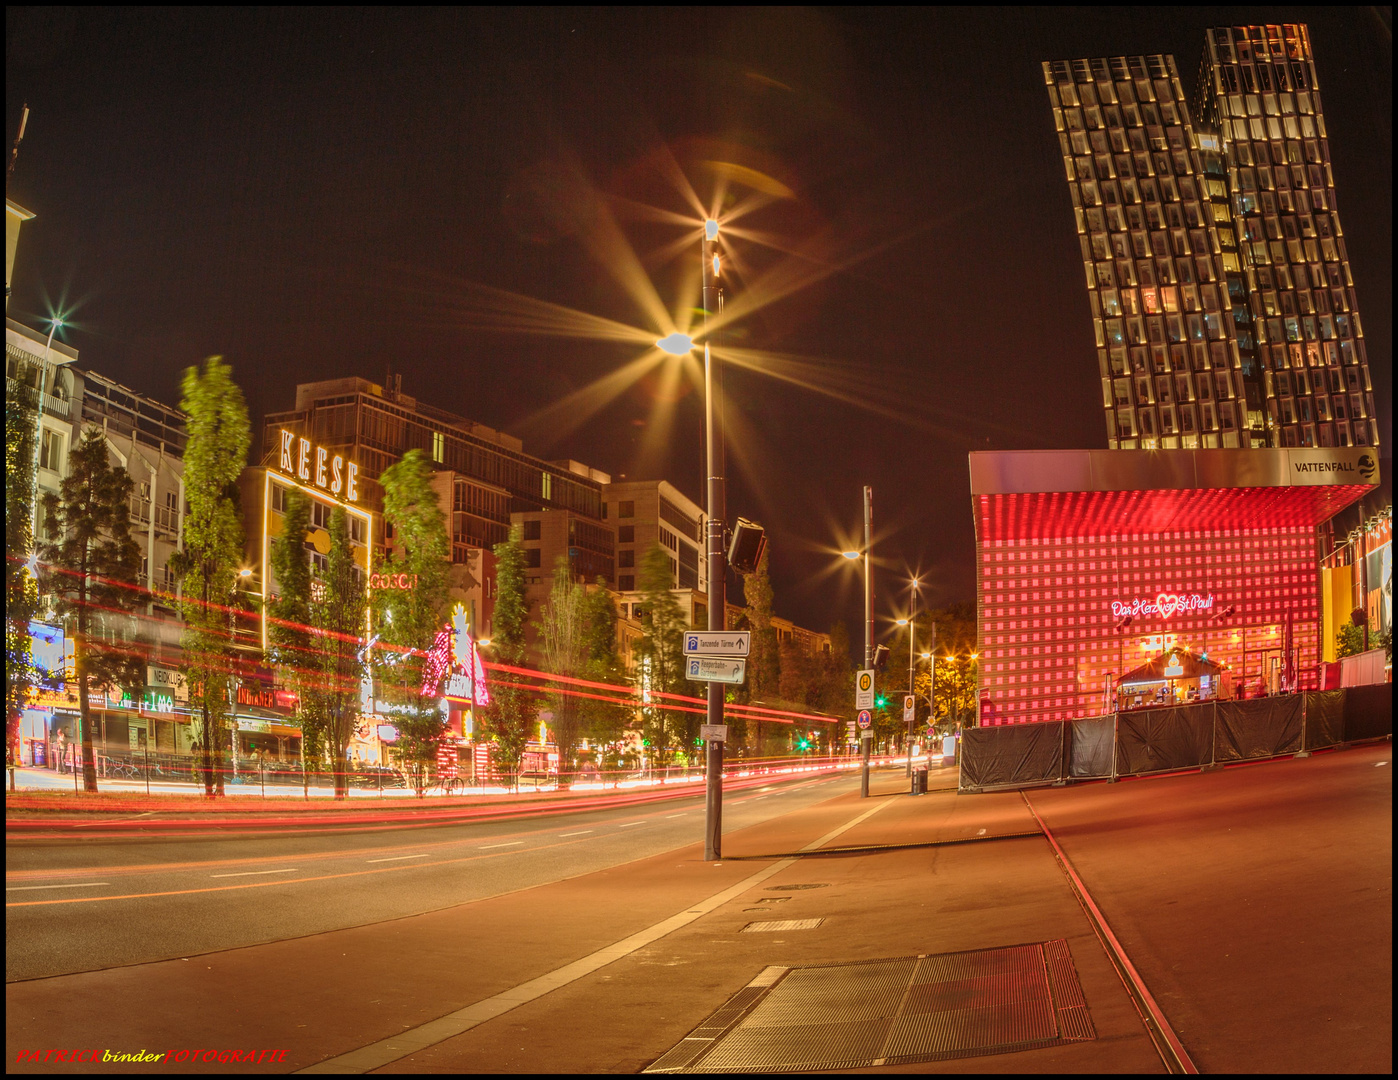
[
  {"x": 56, "y": 323},
  {"x": 911, "y": 623},
  {"x": 713, "y": 447}
]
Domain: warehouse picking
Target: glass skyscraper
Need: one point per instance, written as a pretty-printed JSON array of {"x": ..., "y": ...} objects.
[{"x": 1221, "y": 296}]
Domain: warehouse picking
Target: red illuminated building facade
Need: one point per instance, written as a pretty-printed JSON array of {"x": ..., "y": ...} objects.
[{"x": 1089, "y": 563}]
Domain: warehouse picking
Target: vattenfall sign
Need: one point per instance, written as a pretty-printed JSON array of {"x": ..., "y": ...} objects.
[
  {"x": 315, "y": 465},
  {"x": 1334, "y": 465}
]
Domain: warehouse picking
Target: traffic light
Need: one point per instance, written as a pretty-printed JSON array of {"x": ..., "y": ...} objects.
[
  {"x": 880, "y": 657},
  {"x": 745, "y": 549},
  {"x": 881, "y": 701}
]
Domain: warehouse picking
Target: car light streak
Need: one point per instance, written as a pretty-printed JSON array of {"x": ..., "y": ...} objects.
[{"x": 28, "y": 888}]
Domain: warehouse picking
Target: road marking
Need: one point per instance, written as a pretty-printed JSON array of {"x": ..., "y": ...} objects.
[
  {"x": 27, "y": 888},
  {"x": 673, "y": 816},
  {"x": 396, "y": 858},
  {"x": 583, "y": 833},
  {"x": 255, "y": 873},
  {"x": 512, "y": 843},
  {"x": 628, "y": 824},
  {"x": 376, "y": 1055}
]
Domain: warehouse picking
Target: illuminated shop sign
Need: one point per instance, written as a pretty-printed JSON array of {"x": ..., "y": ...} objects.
[
  {"x": 1164, "y": 605},
  {"x": 393, "y": 581},
  {"x": 315, "y": 465},
  {"x": 454, "y": 666}
]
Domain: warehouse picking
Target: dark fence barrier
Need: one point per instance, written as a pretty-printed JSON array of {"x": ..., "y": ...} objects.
[{"x": 1160, "y": 740}]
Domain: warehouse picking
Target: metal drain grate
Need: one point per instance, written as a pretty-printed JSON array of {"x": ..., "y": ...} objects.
[
  {"x": 782, "y": 924},
  {"x": 889, "y": 1012}
]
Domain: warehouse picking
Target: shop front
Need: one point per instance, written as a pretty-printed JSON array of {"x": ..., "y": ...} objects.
[{"x": 1093, "y": 564}]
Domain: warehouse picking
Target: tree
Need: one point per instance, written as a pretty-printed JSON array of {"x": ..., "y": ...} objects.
[
  {"x": 411, "y": 619},
  {"x": 662, "y": 659},
  {"x": 207, "y": 568},
  {"x": 563, "y": 633},
  {"x": 337, "y": 614},
  {"x": 604, "y": 724},
  {"x": 1349, "y": 641},
  {"x": 835, "y": 678},
  {"x": 506, "y": 721},
  {"x": 21, "y": 589},
  {"x": 91, "y": 571},
  {"x": 288, "y": 612},
  {"x": 764, "y": 652}
]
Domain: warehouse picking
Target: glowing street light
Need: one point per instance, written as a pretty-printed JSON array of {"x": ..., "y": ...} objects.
[
  {"x": 850, "y": 555},
  {"x": 676, "y": 344},
  {"x": 711, "y": 229}
]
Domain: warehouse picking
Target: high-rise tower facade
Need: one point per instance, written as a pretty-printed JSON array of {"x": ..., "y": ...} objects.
[
  {"x": 1221, "y": 297},
  {"x": 1259, "y": 92}
]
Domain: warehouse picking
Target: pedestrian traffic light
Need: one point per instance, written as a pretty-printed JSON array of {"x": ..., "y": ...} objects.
[{"x": 881, "y": 701}]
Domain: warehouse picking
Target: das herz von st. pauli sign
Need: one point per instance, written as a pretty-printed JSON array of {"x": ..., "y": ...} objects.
[{"x": 717, "y": 642}]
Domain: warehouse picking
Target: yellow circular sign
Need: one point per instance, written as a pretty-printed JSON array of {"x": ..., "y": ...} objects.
[{"x": 865, "y": 680}]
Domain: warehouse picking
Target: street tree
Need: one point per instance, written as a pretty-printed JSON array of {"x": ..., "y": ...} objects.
[
  {"x": 563, "y": 634},
  {"x": 507, "y": 720},
  {"x": 91, "y": 569},
  {"x": 207, "y": 567},
  {"x": 288, "y": 610},
  {"x": 21, "y": 587},
  {"x": 410, "y": 620},
  {"x": 662, "y": 659},
  {"x": 764, "y": 655},
  {"x": 604, "y": 723},
  {"x": 337, "y": 615}
]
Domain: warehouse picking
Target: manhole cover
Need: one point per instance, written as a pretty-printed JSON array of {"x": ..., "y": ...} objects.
[
  {"x": 794, "y": 888},
  {"x": 890, "y": 1012}
]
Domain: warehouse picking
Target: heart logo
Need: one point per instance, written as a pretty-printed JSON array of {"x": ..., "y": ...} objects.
[{"x": 1167, "y": 604}]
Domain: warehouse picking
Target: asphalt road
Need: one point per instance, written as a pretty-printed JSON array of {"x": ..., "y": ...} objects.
[{"x": 86, "y": 903}]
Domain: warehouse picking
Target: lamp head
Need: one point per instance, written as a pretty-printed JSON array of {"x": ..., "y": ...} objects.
[
  {"x": 851, "y": 555},
  {"x": 711, "y": 229},
  {"x": 675, "y": 344}
]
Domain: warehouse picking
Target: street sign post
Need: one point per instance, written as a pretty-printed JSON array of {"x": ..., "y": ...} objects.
[
  {"x": 908, "y": 706},
  {"x": 864, "y": 689},
  {"x": 865, "y": 719},
  {"x": 717, "y": 643},
  {"x": 714, "y": 669},
  {"x": 713, "y": 732}
]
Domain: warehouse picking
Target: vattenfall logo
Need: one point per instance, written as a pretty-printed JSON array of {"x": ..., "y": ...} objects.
[
  {"x": 1367, "y": 468},
  {"x": 1326, "y": 466}
]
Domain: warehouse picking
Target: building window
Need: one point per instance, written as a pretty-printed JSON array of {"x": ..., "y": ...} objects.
[
  {"x": 626, "y": 557},
  {"x": 626, "y": 534},
  {"x": 533, "y": 529},
  {"x": 439, "y": 444},
  {"x": 548, "y": 485},
  {"x": 532, "y": 557},
  {"x": 626, "y": 509},
  {"x": 51, "y": 451},
  {"x": 626, "y": 583}
]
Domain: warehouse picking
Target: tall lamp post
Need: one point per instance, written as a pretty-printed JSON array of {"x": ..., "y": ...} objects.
[
  {"x": 678, "y": 344},
  {"x": 868, "y": 622},
  {"x": 911, "y": 623}
]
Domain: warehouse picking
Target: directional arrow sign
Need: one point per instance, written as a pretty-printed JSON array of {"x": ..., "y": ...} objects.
[
  {"x": 717, "y": 642},
  {"x": 713, "y": 669}
]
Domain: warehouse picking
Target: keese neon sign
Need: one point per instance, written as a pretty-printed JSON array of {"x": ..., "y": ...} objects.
[{"x": 314, "y": 465}]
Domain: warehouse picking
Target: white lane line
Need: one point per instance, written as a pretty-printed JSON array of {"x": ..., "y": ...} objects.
[
  {"x": 583, "y": 833},
  {"x": 30, "y": 888},
  {"x": 257, "y": 873},
  {"x": 376, "y": 1055},
  {"x": 673, "y": 816},
  {"x": 512, "y": 843},
  {"x": 398, "y": 858},
  {"x": 628, "y": 824}
]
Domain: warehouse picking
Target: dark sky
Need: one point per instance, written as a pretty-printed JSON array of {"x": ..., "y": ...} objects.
[{"x": 317, "y": 193}]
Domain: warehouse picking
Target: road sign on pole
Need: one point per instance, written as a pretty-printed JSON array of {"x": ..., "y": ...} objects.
[
  {"x": 713, "y": 732},
  {"x": 864, "y": 689},
  {"x": 722, "y": 643},
  {"x": 714, "y": 669},
  {"x": 909, "y": 703},
  {"x": 865, "y": 719}
]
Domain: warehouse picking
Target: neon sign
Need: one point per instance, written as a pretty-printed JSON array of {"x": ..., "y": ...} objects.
[
  {"x": 1165, "y": 604},
  {"x": 393, "y": 581},
  {"x": 314, "y": 465},
  {"x": 454, "y": 665}
]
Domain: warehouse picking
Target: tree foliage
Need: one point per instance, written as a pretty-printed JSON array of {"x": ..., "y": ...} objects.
[
  {"x": 91, "y": 571},
  {"x": 604, "y": 724},
  {"x": 510, "y": 716},
  {"x": 207, "y": 567},
  {"x": 288, "y": 610},
  {"x": 1349, "y": 641},
  {"x": 563, "y": 635},
  {"x": 409, "y": 620},
  {"x": 21, "y": 588},
  {"x": 661, "y": 656},
  {"x": 764, "y": 654},
  {"x": 337, "y": 614}
]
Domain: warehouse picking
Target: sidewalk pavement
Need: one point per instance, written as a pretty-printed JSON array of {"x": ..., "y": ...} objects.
[{"x": 333, "y": 993}]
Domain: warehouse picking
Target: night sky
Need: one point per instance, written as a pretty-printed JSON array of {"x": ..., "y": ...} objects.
[{"x": 322, "y": 193}]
